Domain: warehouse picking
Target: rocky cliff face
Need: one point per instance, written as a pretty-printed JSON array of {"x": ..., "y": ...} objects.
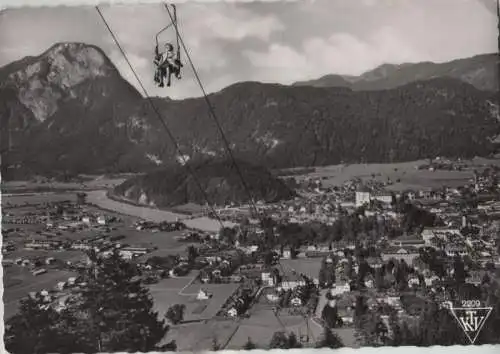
[
  {"x": 68, "y": 104},
  {"x": 43, "y": 84}
]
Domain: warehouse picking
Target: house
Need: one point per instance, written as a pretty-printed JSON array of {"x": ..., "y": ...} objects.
[
  {"x": 101, "y": 220},
  {"x": 272, "y": 297},
  {"x": 404, "y": 253},
  {"x": 340, "y": 288},
  {"x": 296, "y": 301},
  {"x": 42, "y": 244},
  {"x": 131, "y": 252},
  {"x": 413, "y": 281},
  {"x": 362, "y": 197},
  {"x": 408, "y": 241},
  {"x": 346, "y": 314},
  {"x": 475, "y": 277},
  {"x": 440, "y": 232},
  {"x": 232, "y": 312},
  {"x": 375, "y": 262},
  {"x": 203, "y": 295},
  {"x": 431, "y": 280},
  {"x": 455, "y": 250},
  {"x": 391, "y": 300},
  {"x": 268, "y": 279},
  {"x": 382, "y": 197},
  {"x": 291, "y": 283},
  {"x": 81, "y": 245},
  {"x": 369, "y": 281}
]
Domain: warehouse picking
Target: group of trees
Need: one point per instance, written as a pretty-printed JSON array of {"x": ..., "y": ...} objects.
[
  {"x": 175, "y": 313},
  {"x": 111, "y": 311}
]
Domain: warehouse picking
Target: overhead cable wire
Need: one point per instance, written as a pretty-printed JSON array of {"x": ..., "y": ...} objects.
[
  {"x": 214, "y": 115},
  {"x": 160, "y": 117}
]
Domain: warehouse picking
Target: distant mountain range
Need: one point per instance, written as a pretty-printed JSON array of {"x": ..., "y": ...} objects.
[
  {"x": 69, "y": 111},
  {"x": 481, "y": 71}
]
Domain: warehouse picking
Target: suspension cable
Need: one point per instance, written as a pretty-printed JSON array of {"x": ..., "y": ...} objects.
[
  {"x": 214, "y": 116},
  {"x": 160, "y": 118},
  {"x": 227, "y": 145}
]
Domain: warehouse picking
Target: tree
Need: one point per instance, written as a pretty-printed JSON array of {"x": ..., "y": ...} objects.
[
  {"x": 33, "y": 329},
  {"x": 249, "y": 345},
  {"x": 281, "y": 340},
  {"x": 175, "y": 313},
  {"x": 227, "y": 235},
  {"x": 330, "y": 340},
  {"x": 112, "y": 312},
  {"x": 331, "y": 317},
  {"x": 215, "y": 344},
  {"x": 119, "y": 307},
  {"x": 293, "y": 342},
  {"x": 438, "y": 327},
  {"x": 192, "y": 253}
]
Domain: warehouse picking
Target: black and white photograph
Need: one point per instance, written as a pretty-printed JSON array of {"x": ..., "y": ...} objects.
[{"x": 209, "y": 176}]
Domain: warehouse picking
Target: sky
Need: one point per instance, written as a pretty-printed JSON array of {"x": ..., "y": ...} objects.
[{"x": 280, "y": 42}]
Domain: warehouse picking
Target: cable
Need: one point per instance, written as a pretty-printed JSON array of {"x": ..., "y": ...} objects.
[
  {"x": 227, "y": 145},
  {"x": 158, "y": 114},
  {"x": 213, "y": 115}
]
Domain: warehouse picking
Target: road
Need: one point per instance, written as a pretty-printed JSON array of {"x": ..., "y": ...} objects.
[{"x": 101, "y": 200}]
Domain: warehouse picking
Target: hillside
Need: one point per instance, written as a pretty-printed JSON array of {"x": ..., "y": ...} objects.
[
  {"x": 219, "y": 179},
  {"x": 281, "y": 126},
  {"x": 69, "y": 111},
  {"x": 481, "y": 71}
]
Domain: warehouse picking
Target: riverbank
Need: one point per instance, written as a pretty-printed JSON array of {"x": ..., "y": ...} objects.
[{"x": 100, "y": 199}]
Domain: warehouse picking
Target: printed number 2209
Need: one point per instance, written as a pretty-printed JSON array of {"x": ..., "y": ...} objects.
[{"x": 471, "y": 303}]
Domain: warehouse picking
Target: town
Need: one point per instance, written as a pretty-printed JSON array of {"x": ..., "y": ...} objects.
[{"x": 356, "y": 258}]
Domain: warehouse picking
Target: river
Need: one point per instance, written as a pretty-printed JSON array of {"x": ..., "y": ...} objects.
[{"x": 101, "y": 200}]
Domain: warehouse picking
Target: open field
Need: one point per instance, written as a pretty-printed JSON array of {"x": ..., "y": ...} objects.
[
  {"x": 406, "y": 173},
  {"x": 36, "y": 198},
  {"x": 28, "y": 282},
  {"x": 262, "y": 324},
  {"x": 89, "y": 183},
  {"x": 173, "y": 291},
  {"x": 409, "y": 176},
  {"x": 197, "y": 337},
  {"x": 307, "y": 266},
  {"x": 165, "y": 241},
  {"x": 63, "y": 255}
]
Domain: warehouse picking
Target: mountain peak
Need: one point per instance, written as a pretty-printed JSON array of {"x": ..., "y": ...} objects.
[
  {"x": 481, "y": 71},
  {"x": 44, "y": 81},
  {"x": 64, "y": 64}
]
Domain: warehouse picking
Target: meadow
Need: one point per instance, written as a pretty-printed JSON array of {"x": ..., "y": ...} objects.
[
  {"x": 171, "y": 291},
  {"x": 36, "y": 198},
  {"x": 197, "y": 337},
  {"x": 89, "y": 182},
  {"x": 19, "y": 281},
  {"x": 262, "y": 324},
  {"x": 406, "y": 172},
  {"x": 307, "y": 266}
]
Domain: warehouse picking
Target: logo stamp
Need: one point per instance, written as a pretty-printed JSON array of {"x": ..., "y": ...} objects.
[{"x": 471, "y": 317}]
